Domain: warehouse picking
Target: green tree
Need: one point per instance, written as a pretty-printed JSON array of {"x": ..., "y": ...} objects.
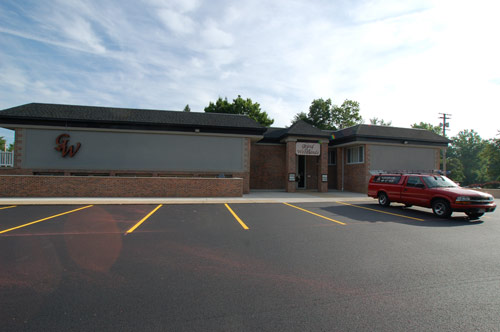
[
  {"x": 320, "y": 113},
  {"x": 456, "y": 169},
  {"x": 302, "y": 116},
  {"x": 490, "y": 157},
  {"x": 240, "y": 106},
  {"x": 468, "y": 148},
  {"x": 324, "y": 115},
  {"x": 187, "y": 108},
  {"x": 2, "y": 143},
  {"x": 380, "y": 122},
  {"x": 346, "y": 115},
  {"x": 428, "y": 126}
]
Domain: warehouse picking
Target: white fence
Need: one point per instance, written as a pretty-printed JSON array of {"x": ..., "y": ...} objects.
[{"x": 6, "y": 159}]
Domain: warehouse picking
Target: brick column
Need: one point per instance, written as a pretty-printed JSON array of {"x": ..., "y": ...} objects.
[
  {"x": 323, "y": 167},
  {"x": 18, "y": 147},
  {"x": 291, "y": 165},
  {"x": 246, "y": 158},
  {"x": 340, "y": 164}
]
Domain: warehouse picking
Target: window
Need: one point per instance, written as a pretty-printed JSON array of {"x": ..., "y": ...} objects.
[
  {"x": 414, "y": 181},
  {"x": 332, "y": 157},
  {"x": 356, "y": 155},
  {"x": 387, "y": 179}
]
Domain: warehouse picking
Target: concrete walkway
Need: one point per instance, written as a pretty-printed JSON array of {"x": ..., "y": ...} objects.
[{"x": 255, "y": 196}]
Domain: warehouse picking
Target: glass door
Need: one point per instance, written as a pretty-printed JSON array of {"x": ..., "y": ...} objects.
[{"x": 301, "y": 172}]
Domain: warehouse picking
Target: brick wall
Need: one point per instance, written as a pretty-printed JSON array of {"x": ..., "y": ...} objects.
[
  {"x": 356, "y": 176},
  {"x": 267, "y": 166},
  {"x": 355, "y": 179},
  {"x": 85, "y": 186}
]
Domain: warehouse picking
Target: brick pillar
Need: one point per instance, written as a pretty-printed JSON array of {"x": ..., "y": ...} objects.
[
  {"x": 291, "y": 165},
  {"x": 323, "y": 167},
  {"x": 340, "y": 164},
  {"x": 246, "y": 158},
  {"x": 18, "y": 147}
]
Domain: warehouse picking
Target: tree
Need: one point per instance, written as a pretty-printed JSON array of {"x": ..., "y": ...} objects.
[
  {"x": 320, "y": 113},
  {"x": 240, "y": 106},
  {"x": 428, "y": 126},
  {"x": 454, "y": 165},
  {"x": 187, "y": 108},
  {"x": 490, "y": 157},
  {"x": 323, "y": 115},
  {"x": 2, "y": 143},
  {"x": 346, "y": 115},
  {"x": 302, "y": 116},
  {"x": 380, "y": 122},
  {"x": 468, "y": 147}
]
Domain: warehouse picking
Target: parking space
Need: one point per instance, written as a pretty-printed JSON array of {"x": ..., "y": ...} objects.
[
  {"x": 215, "y": 218},
  {"x": 194, "y": 267}
]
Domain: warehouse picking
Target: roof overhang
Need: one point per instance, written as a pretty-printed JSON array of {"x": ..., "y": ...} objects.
[
  {"x": 11, "y": 122},
  {"x": 357, "y": 139}
]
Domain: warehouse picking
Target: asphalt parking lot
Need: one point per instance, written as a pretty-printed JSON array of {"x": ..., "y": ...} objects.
[{"x": 317, "y": 266}]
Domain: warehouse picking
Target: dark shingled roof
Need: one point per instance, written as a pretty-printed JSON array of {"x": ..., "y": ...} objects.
[
  {"x": 300, "y": 129},
  {"x": 128, "y": 118},
  {"x": 388, "y": 134}
]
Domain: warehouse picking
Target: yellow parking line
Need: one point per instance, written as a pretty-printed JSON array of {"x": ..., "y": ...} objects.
[
  {"x": 318, "y": 215},
  {"x": 40, "y": 220},
  {"x": 237, "y": 218},
  {"x": 143, "y": 219},
  {"x": 7, "y": 207},
  {"x": 394, "y": 214}
]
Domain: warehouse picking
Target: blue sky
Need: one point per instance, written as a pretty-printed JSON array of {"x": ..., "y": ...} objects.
[{"x": 404, "y": 61}]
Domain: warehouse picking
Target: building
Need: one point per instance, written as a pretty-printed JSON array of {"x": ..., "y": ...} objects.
[{"x": 68, "y": 150}]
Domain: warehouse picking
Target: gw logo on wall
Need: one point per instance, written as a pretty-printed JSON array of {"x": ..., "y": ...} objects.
[{"x": 62, "y": 142}]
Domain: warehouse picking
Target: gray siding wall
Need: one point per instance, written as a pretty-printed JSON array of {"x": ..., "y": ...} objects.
[
  {"x": 384, "y": 157},
  {"x": 134, "y": 151}
]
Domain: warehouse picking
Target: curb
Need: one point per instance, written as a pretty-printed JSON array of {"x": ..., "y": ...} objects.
[{"x": 160, "y": 200}]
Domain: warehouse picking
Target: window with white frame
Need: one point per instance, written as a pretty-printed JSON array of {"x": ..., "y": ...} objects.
[
  {"x": 332, "y": 157},
  {"x": 356, "y": 155}
]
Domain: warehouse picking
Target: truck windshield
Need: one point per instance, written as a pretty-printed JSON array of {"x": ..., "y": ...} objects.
[{"x": 437, "y": 181}]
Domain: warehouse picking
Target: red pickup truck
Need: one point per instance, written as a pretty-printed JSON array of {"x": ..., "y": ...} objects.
[{"x": 430, "y": 190}]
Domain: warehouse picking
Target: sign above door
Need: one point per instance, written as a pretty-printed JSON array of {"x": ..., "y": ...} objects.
[{"x": 307, "y": 149}]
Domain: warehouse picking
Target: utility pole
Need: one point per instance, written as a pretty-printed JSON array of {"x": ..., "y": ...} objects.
[{"x": 444, "y": 124}]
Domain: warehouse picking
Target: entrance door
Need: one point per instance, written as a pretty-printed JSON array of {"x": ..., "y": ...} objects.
[{"x": 301, "y": 172}]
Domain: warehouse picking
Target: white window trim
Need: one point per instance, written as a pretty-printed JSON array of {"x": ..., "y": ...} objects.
[{"x": 353, "y": 149}]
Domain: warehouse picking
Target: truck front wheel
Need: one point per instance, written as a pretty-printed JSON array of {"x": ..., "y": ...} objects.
[
  {"x": 474, "y": 215},
  {"x": 441, "y": 208},
  {"x": 383, "y": 199}
]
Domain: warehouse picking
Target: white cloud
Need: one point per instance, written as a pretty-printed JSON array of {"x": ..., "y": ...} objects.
[
  {"x": 177, "y": 22},
  {"x": 214, "y": 37},
  {"x": 411, "y": 57}
]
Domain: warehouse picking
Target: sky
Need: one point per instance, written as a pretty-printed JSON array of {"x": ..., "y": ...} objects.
[{"x": 403, "y": 61}]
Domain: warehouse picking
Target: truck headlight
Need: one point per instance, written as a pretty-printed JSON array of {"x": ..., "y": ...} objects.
[{"x": 463, "y": 199}]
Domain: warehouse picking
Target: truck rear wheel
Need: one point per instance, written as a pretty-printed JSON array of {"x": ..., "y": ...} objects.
[
  {"x": 383, "y": 199},
  {"x": 441, "y": 208}
]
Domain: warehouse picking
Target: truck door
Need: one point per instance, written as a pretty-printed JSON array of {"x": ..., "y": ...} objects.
[{"x": 414, "y": 191}]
